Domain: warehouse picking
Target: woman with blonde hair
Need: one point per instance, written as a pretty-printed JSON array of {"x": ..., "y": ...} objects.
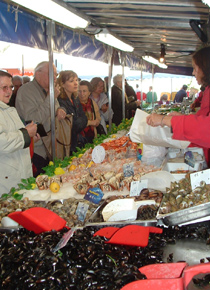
[{"x": 68, "y": 100}]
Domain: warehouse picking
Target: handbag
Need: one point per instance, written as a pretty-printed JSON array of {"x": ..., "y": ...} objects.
[
  {"x": 100, "y": 129},
  {"x": 62, "y": 138}
]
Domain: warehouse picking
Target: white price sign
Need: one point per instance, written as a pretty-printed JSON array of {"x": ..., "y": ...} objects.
[
  {"x": 137, "y": 186},
  {"x": 199, "y": 176}
]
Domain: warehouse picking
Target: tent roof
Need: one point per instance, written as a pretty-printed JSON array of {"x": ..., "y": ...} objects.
[{"x": 145, "y": 24}]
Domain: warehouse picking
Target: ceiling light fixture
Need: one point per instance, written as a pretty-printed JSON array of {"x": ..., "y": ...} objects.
[
  {"x": 162, "y": 53},
  {"x": 56, "y": 10},
  {"x": 106, "y": 37},
  {"x": 154, "y": 61}
]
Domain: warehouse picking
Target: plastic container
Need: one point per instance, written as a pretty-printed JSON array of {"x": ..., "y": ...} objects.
[{"x": 173, "y": 167}]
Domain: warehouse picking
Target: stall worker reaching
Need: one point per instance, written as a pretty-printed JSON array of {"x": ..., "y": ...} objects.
[
  {"x": 15, "y": 140},
  {"x": 68, "y": 99},
  {"x": 194, "y": 127},
  {"x": 33, "y": 103},
  {"x": 101, "y": 99},
  {"x": 91, "y": 110},
  {"x": 117, "y": 101}
]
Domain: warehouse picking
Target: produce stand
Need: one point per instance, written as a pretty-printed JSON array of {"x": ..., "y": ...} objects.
[{"x": 87, "y": 261}]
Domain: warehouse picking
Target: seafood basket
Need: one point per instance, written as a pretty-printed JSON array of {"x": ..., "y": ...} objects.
[{"x": 184, "y": 215}]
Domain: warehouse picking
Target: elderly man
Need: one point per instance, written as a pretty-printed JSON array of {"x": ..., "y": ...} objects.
[
  {"x": 15, "y": 140},
  {"x": 117, "y": 101},
  {"x": 33, "y": 103}
]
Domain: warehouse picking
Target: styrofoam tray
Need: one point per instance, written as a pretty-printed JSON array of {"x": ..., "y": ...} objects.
[{"x": 170, "y": 166}]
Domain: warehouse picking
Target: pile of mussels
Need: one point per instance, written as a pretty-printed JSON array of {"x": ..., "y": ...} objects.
[{"x": 27, "y": 261}]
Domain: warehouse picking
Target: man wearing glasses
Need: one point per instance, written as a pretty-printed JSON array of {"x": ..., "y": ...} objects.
[{"x": 33, "y": 103}]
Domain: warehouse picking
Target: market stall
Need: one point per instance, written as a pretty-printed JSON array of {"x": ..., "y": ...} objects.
[{"x": 120, "y": 195}]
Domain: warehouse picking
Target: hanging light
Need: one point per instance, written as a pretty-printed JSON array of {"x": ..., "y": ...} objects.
[
  {"x": 155, "y": 61},
  {"x": 57, "y": 11},
  {"x": 162, "y": 53},
  {"x": 106, "y": 37}
]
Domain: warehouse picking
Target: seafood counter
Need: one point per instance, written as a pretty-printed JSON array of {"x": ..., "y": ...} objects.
[{"x": 139, "y": 203}]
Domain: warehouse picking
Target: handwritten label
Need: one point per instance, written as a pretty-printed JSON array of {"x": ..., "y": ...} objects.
[
  {"x": 199, "y": 176},
  {"x": 137, "y": 186},
  {"x": 94, "y": 195}
]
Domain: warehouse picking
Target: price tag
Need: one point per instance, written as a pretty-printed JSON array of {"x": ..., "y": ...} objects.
[
  {"x": 199, "y": 176},
  {"x": 137, "y": 186},
  {"x": 94, "y": 195},
  {"x": 81, "y": 211},
  {"x": 128, "y": 169},
  {"x": 189, "y": 158}
]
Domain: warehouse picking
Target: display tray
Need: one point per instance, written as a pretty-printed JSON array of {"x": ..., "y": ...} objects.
[
  {"x": 185, "y": 215},
  {"x": 96, "y": 220},
  {"x": 175, "y": 167}
]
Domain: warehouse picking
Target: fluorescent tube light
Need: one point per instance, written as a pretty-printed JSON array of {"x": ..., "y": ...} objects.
[
  {"x": 162, "y": 65},
  {"x": 106, "y": 37},
  {"x": 154, "y": 61},
  {"x": 55, "y": 10},
  {"x": 150, "y": 59}
]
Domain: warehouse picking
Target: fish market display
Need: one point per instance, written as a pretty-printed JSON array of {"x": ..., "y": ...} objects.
[
  {"x": 83, "y": 173},
  {"x": 181, "y": 196}
]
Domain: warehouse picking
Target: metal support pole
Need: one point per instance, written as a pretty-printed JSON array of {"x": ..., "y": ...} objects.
[
  {"x": 153, "y": 69},
  {"x": 22, "y": 65},
  {"x": 110, "y": 52},
  {"x": 123, "y": 84},
  {"x": 50, "y": 34},
  {"x": 141, "y": 81}
]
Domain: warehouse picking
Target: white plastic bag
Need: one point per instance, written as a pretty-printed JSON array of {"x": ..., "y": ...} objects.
[{"x": 141, "y": 132}]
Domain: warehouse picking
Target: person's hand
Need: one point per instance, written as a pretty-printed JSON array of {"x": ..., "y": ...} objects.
[
  {"x": 61, "y": 114},
  {"x": 36, "y": 138},
  {"x": 104, "y": 108},
  {"x": 32, "y": 129},
  {"x": 154, "y": 120}
]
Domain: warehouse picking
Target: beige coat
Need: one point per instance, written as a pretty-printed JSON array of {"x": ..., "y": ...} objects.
[
  {"x": 33, "y": 104},
  {"x": 14, "y": 160}
]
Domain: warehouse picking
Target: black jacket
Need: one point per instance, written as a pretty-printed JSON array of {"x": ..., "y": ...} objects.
[
  {"x": 117, "y": 106},
  {"x": 79, "y": 118}
]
